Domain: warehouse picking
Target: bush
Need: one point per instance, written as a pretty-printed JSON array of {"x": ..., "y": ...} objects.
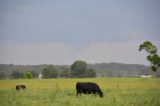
[{"x": 28, "y": 75}]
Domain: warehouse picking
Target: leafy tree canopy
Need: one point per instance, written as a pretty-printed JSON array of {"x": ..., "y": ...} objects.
[
  {"x": 50, "y": 72},
  {"x": 28, "y": 75},
  {"x": 79, "y": 69},
  {"x": 148, "y": 47},
  {"x": 152, "y": 57}
]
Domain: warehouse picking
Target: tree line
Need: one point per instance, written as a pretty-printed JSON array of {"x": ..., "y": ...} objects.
[
  {"x": 78, "y": 69},
  {"x": 81, "y": 69}
]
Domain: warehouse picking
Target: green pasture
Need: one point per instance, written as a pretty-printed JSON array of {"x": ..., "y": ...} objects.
[{"x": 61, "y": 92}]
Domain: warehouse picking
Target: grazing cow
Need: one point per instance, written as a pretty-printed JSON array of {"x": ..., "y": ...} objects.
[
  {"x": 88, "y": 88},
  {"x": 19, "y": 87}
]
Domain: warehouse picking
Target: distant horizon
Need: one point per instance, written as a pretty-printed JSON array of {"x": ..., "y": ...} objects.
[{"x": 71, "y": 64}]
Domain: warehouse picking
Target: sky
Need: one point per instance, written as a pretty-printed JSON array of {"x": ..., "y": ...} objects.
[{"x": 63, "y": 31}]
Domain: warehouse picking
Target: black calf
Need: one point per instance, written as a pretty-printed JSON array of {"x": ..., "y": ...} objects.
[{"x": 19, "y": 87}]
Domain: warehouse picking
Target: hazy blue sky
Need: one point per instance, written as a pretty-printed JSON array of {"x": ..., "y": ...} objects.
[{"x": 62, "y": 31}]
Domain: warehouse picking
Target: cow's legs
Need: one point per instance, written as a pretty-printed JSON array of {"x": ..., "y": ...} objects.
[{"x": 78, "y": 93}]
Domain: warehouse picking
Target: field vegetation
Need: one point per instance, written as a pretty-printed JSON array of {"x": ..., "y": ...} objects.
[{"x": 62, "y": 92}]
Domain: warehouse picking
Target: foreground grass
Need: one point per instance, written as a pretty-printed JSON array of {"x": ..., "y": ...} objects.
[{"x": 61, "y": 92}]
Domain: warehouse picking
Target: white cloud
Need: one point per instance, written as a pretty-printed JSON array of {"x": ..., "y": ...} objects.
[{"x": 60, "y": 53}]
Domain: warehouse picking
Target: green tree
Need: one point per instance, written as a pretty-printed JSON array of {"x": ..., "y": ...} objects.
[
  {"x": 16, "y": 74},
  {"x": 90, "y": 73},
  {"x": 50, "y": 72},
  {"x": 27, "y": 75},
  {"x": 152, "y": 57},
  {"x": 78, "y": 69},
  {"x": 65, "y": 73}
]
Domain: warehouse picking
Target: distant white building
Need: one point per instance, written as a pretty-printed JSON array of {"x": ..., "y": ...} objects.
[
  {"x": 145, "y": 76},
  {"x": 40, "y": 76}
]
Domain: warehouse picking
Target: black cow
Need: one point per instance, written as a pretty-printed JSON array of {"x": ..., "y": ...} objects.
[
  {"x": 19, "y": 87},
  {"x": 88, "y": 88}
]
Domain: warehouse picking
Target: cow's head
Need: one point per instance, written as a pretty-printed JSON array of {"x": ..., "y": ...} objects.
[{"x": 101, "y": 94}]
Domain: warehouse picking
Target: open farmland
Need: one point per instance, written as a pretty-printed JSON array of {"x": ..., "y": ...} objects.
[{"x": 61, "y": 92}]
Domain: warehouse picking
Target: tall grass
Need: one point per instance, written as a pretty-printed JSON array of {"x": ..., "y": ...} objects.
[{"x": 61, "y": 92}]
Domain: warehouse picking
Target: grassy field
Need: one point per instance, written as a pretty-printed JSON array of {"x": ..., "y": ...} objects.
[{"x": 61, "y": 92}]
